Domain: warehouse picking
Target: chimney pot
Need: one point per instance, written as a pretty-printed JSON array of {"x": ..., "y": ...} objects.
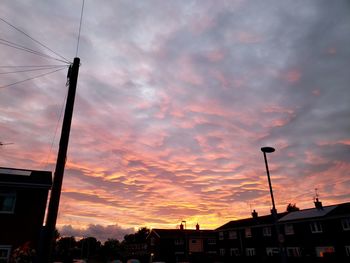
[
  {"x": 318, "y": 204},
  {"x": 197, "y": 227},
  {"x": 254, "y": 214}
]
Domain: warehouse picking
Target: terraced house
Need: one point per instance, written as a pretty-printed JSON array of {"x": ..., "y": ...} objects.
[
  {"x": 319, "y": 234},
  {"x": 23, "y": 197}
]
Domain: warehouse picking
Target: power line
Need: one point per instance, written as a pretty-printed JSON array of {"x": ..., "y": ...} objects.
[
  {"x": 35, "y": 77},
  {"x": 81, "y": 19},
  {"x": 23, "y": 48},
  {"x": 36, "y": 41},
  {"x": 57, "y": 124},
  {"x": 29, "y": 70},
  {"x": 31, "y": 66}
]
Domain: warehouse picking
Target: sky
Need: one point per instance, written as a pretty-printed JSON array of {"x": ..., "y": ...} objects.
[{"x": 174, "y": 101}]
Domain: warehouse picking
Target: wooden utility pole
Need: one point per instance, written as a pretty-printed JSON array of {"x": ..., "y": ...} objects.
[{"x": 45, "y": 247}]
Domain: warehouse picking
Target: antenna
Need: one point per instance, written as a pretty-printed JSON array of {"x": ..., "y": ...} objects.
[{"x": 316, "y": 194}]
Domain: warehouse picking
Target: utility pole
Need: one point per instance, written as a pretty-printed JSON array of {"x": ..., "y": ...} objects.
[{"x": 45, "y": 247}]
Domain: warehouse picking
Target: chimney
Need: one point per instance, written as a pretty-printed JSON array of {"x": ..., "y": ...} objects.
[
  {"x": 181, "y": 226},
  {"x": 254, "y": 214},
  {"x": 197, "y": 227},
  {"x": 318, "y": 204}
]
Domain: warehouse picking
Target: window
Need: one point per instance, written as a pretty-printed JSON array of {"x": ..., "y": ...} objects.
[
  {"x": 267, "y": 231},
  {"x": 232, "y": 234},
  {"x": 5, "y": 253},
  {"x": 153, "y": 241},
  {"x": 316, "y": 227},
  {"x": 222, "y": 252},
  {"x": 234, "y": 252},
  {"x": 288, "y": 229},
  {"x": 250, "y": 252},
  {"x": 293, "y": 252},
  {"x": 221, "y": 235},
  {"x": 272, "y": 251},
  {"x": 211, "y": 241},
  {"x": 7, "y": 202},
  {"x": 179, "y": 241},
  {"x": 345, "y": 223},
  {"x": 324, "y": 251},
  {"x": 248, "y": 232},
  {"x": 347, "y": 250}
]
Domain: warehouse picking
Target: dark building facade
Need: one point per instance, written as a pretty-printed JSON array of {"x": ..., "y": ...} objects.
[
  {"x": 182, "y": 245},
  {"x": 248, "y": 240},
  {"x": 319, "y": 234},
  {"x": 23, "y": 197}
]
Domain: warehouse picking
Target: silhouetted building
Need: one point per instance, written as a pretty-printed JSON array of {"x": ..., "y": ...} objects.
[
  {"x": 248, "y": 240},
  {"x": 182, "y": 245},
  {"x": 320, "y": 234},
  {"x": 23, "y": 197},
  {"x": 137, "y": 251}
]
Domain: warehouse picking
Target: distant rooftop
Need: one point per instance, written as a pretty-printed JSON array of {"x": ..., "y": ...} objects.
[{"x": 165, "y": 233}]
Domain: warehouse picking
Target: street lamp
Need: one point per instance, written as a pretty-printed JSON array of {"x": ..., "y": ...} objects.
[
  {"x": 269, "y": 150},
  {"x": 280, "y": 237}
]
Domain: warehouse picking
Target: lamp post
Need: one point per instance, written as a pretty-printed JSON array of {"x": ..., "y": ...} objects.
[
  {"x": 269, "y": 150},
  {"x": 280, "y": 237}
]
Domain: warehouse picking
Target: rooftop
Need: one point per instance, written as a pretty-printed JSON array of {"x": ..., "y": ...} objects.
[
  {"x": 166, "y": 233},
  {"x": 313, "y": 212},
  {"x": 254, "y": 222},
  {"x": 25, "y": 178}
]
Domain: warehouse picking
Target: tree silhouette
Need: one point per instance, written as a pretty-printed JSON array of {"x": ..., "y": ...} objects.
[
  {"x": 111, "y": 249},
  {"x": 292, "y": 207}
]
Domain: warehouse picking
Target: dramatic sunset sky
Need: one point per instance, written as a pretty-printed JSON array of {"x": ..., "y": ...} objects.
[{"x": 174, "y": 101}]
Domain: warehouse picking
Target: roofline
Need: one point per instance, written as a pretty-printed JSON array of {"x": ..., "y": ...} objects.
[
  {"x": 283, "y": 222},
  {"x": 22, "y": 169},
  {"x": 26, "y": 185},
  {"x": 251, "y": 219},
  {"x": 152, "y": 230}
]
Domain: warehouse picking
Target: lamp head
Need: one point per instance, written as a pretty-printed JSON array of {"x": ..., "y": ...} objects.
[{"x": 267, "y": 149}]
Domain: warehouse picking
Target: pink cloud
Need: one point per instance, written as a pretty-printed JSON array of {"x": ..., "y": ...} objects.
[
  {"x": 248, "y": 37},
  {"x": 187, "y": 71},
  {"x": 293, "y": 76}
]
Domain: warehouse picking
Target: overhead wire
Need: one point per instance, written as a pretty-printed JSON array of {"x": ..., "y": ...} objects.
[
  {"x": 29, "y": 70},
  {"x": 23, "y": 48},
  {"x": 56, "y": 129},
  {"x": 36, "y": 41},
  {"x": 35, "y": 77},
  {"x": 30, "y": 66},
  {"x": 81, "y": 19}
]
